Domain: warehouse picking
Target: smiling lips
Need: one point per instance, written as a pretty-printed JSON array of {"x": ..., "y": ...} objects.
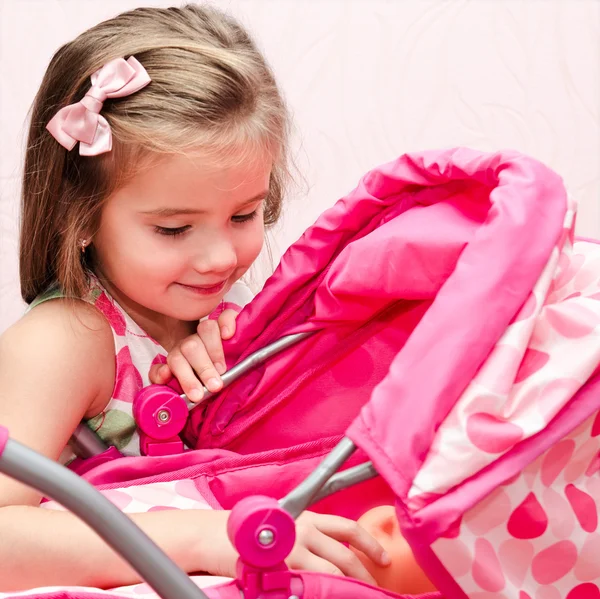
[{"x": 205, "y": 289}]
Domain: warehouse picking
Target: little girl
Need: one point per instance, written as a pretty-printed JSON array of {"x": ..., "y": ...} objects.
[{"x": 156, "y": 155}]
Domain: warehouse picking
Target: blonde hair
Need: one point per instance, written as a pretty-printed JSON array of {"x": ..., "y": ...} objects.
[{"x": 211, "y": 90}]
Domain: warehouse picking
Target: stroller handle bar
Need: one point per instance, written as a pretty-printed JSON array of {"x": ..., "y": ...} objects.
[{"x": 81, "y": 498}]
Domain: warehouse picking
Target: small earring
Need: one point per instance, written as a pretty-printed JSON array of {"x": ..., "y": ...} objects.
[{"x": 83, "y": 243}]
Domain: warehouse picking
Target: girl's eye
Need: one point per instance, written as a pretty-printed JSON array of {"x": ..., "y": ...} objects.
[
  {"x": 244, "y": 218},
  {"x": 171, "y": 231}
]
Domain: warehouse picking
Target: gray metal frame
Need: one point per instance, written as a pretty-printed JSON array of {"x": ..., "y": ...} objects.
[
  {"x": 119, "y": 531},
  {"x": 323, "y": 481}
]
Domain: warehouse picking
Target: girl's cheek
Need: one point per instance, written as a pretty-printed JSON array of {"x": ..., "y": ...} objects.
[{"x": 250, "y": 245}]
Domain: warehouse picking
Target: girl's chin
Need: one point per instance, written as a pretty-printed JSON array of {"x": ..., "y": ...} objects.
[{"x": 191, "y": 313}]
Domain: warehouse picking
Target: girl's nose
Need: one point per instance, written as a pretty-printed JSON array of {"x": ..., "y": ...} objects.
[{"x": 217, "y": 255}]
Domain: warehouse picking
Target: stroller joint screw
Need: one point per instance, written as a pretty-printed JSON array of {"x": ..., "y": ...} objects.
[
  {"x": 164, "y": 416},
  {"x": 266, "y": 537}
]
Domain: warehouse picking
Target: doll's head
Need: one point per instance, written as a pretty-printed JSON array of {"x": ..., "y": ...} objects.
[{"x": 403, "y": 575}]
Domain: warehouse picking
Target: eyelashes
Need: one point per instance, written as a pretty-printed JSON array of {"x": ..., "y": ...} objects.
[
  {"x": 244, "y": 218},
  {"x": 171, "y": 232},
  {"x": 175, "y": 231}
]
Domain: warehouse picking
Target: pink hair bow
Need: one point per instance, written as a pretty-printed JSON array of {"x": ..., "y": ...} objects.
[{"x": 82, "y": 122}]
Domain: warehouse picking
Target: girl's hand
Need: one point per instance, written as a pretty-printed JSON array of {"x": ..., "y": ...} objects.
[
  {"x": 319, "y": 547},
  {"x": 199, "y": 358}
]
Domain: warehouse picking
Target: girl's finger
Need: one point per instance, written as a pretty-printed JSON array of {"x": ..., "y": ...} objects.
[
  {"x": 348, "y": 531},
  {"x": 302, "y": 559},
  {"x": 210, "y": 336},
  {"x": 333, "y": 552},
  {"x": 160, "y": 374},
  {"x": 186, "y": 376},
  {"x": 226, "y": 323},
  {"x": 183, "y": 372},
  {"x": 194, "y": 352}
]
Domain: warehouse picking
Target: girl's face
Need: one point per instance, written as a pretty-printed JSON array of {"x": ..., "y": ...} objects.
[{"x": 175, "y": 238}]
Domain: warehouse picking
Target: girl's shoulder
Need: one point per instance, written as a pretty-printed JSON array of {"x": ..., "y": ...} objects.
[
  {"x": 75, "y": 318},
  {"x": 69, "y": 337}
]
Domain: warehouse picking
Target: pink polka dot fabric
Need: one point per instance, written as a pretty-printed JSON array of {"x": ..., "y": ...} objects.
[
  {"x": 135, "y": 499},
  {"x": 134, "y": 591},
  {"x": 537, "y": 536},
  {"x": 143, "y": 591}
]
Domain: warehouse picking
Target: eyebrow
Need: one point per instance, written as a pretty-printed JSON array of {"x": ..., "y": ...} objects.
[{"x": 177, "y": 211}]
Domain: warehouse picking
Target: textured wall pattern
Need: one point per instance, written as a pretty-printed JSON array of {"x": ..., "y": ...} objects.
[{"x": 366, "y": 80}]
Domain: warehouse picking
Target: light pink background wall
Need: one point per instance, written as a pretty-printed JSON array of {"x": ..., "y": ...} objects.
[{"x": 366, "y": 80}]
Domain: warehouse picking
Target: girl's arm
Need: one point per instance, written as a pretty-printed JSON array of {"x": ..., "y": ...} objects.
[{"x": 47, "y": 547}]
